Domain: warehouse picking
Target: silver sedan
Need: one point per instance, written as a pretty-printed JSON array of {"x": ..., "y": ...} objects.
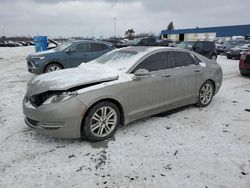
[{"x": 124, "y": 85}]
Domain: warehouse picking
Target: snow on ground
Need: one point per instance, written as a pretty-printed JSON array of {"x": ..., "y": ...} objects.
[{"x": 190, "y": 147}]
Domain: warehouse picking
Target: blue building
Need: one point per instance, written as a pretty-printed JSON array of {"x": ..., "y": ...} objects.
[{"x": 207, "y": 32}]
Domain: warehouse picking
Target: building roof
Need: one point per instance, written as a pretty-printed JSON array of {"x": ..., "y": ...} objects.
[{"x": 222, "y": 31}]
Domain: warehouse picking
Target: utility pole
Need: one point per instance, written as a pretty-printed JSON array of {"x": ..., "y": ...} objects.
[
  {"x": 3, "y": 31},
  {"x": 114, "y": 26}
]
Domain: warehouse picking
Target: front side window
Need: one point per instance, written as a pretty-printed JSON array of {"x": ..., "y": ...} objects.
[
  {"x": 80, "y": 47},
  {"x": 182, "y": 59},
  {"x": 155, "y": 62}
]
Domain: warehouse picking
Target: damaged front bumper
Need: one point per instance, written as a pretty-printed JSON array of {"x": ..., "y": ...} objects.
[{"x": 60, "y": 120}]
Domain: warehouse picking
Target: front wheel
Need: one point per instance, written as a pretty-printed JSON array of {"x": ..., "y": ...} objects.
[
  {"x": 53, "y": 67},
  {"x": 101, "y": 121},
  {"x": 206, "y": 94}
]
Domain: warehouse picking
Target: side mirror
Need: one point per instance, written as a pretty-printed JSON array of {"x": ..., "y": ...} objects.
[{"x": 140, "y": 74}]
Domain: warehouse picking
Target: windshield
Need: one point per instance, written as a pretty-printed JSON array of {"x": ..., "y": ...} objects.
[
  {"x": 120, "y": 60},
  {"x": 186, "y": 45},
  {"x": 63, "y": 46}
]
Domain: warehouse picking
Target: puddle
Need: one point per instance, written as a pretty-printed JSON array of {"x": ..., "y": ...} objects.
[{"x": 102, "y": 144}]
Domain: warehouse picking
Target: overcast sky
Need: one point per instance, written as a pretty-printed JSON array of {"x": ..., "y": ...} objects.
[{"x": 96, "y": 17}]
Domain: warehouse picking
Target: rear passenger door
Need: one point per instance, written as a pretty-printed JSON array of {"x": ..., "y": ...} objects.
[{"x": 186, "y": 75}]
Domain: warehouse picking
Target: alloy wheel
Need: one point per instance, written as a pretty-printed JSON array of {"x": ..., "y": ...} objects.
[
  {"x": 206, "y": 94},
  {"x": 53, "y": 68},
  {"x": 103, "y": 121}
]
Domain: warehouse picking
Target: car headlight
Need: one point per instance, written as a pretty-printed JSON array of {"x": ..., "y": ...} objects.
[{"x": 55, "y": 98}]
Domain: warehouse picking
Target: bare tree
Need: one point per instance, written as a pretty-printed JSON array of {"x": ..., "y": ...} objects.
[{"x": 171, "y": 26}]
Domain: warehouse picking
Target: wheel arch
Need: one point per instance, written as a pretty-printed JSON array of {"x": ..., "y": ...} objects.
[
  {"x": 114, "y": 101},
  {"x": 213, "y": 82}
]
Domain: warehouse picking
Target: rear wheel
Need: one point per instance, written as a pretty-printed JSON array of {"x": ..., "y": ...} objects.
[
  {"x": 229, "y": 57},
  {"x": 101, "y": 121},
  {"x": 206, "y": 94},
  {"x": 53, "y": 67},
  {"x": 214, "y": 57}
]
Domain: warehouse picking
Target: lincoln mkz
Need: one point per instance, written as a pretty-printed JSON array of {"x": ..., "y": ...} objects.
[{"x": 92, "y": 100}]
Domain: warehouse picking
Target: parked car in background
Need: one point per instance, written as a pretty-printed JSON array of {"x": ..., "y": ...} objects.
[
  {"x": 127, "y": 84},
  {"x": 145, "y": 41},
  {"x": 244, "y": 64},
  {"x": 227, "y": 45},
  {"x": 205, "y": 48},
  {"x": 237, "y": 51},
  {"x": 67, "y": 55},
  {"x": 166, "y": 42},
  {"x": 3, "y": 44}
]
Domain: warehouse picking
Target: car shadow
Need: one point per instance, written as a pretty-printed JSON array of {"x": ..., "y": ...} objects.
[{"x": 170, "y": 112}]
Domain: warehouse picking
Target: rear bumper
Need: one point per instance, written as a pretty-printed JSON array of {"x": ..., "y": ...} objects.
[{"x": 245, "y": 70}]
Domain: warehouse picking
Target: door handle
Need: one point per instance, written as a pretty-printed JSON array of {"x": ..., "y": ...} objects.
[
  {"x": 197, "y": 70},
  {"x": 165, "y": 75}
]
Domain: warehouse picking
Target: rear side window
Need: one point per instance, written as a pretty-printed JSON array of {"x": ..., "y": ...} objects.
[
  {"x": 155, "y": 62},
  {"x": 182, "y": 59},
  {"x": 80, "y": 47},
  {"x": 98, "y": 47}
]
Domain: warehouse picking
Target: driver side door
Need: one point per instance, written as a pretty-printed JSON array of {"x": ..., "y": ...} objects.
[{"x": 149, "y": 94}]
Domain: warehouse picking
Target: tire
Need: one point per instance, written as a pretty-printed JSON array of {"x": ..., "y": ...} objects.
[
  {"x": 214, "y": 57},
  {"x": 243, "y": 74},
  {"x": 229, "y": 57},
  {"x": 95, "y": 126},
  {"x": 206, "y": 94},
  {"x": 53, "y": 67}
]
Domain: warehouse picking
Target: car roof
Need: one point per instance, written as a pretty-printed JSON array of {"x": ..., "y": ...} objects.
[
  {"x": 89, "y": 40},
  {"x": 148, "y": 49}
]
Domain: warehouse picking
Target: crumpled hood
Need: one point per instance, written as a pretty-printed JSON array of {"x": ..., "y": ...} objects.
[{"x": 66, "y": 79}]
